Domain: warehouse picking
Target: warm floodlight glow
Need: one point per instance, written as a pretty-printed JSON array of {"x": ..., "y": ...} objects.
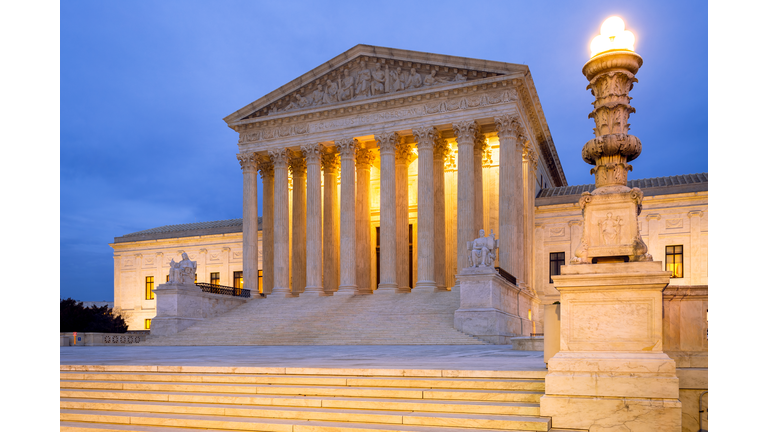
[{"x": 612, "y": 37}]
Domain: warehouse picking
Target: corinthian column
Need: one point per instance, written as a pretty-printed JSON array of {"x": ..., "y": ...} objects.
[
  {"x": 314, "y": 273},
  {"x": 280, "y": 162},
  {"x": 330, "y": 240},
  {"x": 510, "y": 189},
  {"x": 249, "y": 164},
  {"x": 268, "y": 225},
  {"x": 425, "y": 137},
  {"x": 465, "y": 217},
  {"x": 363, "y": 221},
  {"x": 388, "y": 216},
  {"x": 299, "y": 219},
  {"x": 530, "y": 162},
  {"x": 478, "y": 151},
  {"x": 348, "y": 149},
  {"x": 438, "y": 166},
  {"x": 403, "y": 157}
]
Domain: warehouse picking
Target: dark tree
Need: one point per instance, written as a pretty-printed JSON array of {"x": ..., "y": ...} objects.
[{"x": 73, "y": 317}]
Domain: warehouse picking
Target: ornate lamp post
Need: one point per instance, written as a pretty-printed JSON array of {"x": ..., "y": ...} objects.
[
  {"x": 611, "y": 231},
  {"x": 611, "y": 372}
]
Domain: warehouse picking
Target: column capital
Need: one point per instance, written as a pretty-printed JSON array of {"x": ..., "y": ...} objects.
[
  {"x": 481, "y": 143},
  {"x": 404, "y": 153},
  {"x": 465, "y": 131},
  {"x": 693, "y": 213},
  {"x": 249, "y": 161},
  {"x": 266, "y": 169},
  {"x": 441, "y": 149},
  {"x": 387, "y": 141},
  {"x": 203, "y": 251},
  {"x": 508, "y": 126},
  {"x": 279, "y": 158},
  {"x": 451, "y": 159},
  {"x": 653, "y": 216},
  {"x": 347, "y": 147},
  {"x": 297, "y": 164},
  {"x": 365, "y": 158},
  {"x": 426, "y": 136},
  {"x": 576, "y": 222},
  {"x": 312, "y": 152},
  {"x": 530, "y": 156},
  {"x": 330, "y": 162}
]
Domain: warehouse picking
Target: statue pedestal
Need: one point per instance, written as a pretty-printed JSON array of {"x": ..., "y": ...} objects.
[
  {"x": 611, "y": 372},
  {"x": 178, "y": 307},
  {"x": 491, "y": 306}
]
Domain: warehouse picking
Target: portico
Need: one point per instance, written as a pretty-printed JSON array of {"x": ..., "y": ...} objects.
[{"x": 427, "y": 149}]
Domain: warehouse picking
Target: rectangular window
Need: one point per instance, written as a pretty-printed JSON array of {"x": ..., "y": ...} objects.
[
  {"x": 149, "y": 285},
  {"x": 237, "y": 278},
  {"x": 674, "y": 260},
  {"x": 556, "y": 260},
  {"x": 147, "y": 324},
  {"x": 214, "y": 278}
]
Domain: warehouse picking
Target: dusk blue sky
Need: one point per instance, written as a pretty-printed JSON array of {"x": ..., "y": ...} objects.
[{"x": 145, "y": 85}]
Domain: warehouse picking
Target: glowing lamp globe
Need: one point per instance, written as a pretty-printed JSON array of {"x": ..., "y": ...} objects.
[{"x": 612, "y": 36}]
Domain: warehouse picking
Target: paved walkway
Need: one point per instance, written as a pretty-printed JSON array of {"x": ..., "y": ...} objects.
[{"x": 451, "y": 357}]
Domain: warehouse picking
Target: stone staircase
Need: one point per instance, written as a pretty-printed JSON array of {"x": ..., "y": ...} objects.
[
  {"x": 377, "y": 319},
  {"x": 182, "y": 398}
]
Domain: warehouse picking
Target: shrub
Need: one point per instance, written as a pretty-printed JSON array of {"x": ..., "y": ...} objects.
[{"x": 73, "y": 317}]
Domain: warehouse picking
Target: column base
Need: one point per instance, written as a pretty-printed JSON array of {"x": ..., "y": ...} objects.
[
  {"x": 425, "y": 286},
  {"x": 404, "y": 290},
  {"x": 364, "y": 291},
  {"x": 598, "y": 413},
  {"x": 313, "y": 291},
  {"x": 387, "y": 288},
  {"x": 347, "y": 290}
]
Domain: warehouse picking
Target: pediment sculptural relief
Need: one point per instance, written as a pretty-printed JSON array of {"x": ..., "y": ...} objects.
[{"x": 367, "y": 77}]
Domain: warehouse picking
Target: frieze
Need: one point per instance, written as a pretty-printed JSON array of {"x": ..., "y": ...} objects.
[{"x": 442, "y": 106}]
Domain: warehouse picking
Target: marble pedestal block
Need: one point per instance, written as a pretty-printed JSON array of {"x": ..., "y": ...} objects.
[
  {"x": 611, "y": 372},
  {"x": 490, "y": 306},
  {"x": 180, "y": 306}
]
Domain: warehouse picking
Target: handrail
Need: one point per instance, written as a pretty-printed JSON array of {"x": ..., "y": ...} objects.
[{"x": 224, "y": 290}]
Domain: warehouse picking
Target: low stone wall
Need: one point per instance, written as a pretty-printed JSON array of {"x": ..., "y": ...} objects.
[
  {"x": 181, "y": 306},
  {"x": 492, "y": 308},
  {"x": 101, "y": 339},
  {"x": 535, "y": 343}
]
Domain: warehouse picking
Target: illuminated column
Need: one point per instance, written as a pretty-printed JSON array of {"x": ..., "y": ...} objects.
[
  {"x": 465, "y": 218},
  {"x": 451, "y": 212},
  {"x": 330, "y": 240},
  {"x": 348, "y": 149},
  {"x": 363, "y": 221},
  {"x": 530, "y": 162},
  {"x": 403, "y": 157},
  {"x": 268, "y": 226},
  {"x": 510, "y": 162},
  {"x": 478, "y": 151},
  {"x": 299, "y": 217},
  {"x": 425, "y": 137},
  {"x": 314, "y": 275},
  {"x": 280, "y": 163},
  {"x": 438, "y": 166},
  {"x": 388, "y": 216},
  {"x": 249, "y": 163}
]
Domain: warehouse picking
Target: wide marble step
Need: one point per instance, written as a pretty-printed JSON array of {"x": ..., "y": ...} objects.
[
  {"x": 296, "y": 420},
  {"x": 529, "y": 407}
]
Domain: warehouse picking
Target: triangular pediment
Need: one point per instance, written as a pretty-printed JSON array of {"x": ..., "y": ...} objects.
[{"x": 369, "y": 72}]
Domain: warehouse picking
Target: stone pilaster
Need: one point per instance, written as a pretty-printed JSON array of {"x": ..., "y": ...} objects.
[
  {"x": 268, "y": 226},
  {"x": 530, "y": 164},
  {"x": 249, "y": 163},
  {"x": 438, "y": 166},
  {"x": 426, "y": 137},
  {"x": 403, "y": 158},
  {"x": 697, "y": 276},
  {"x": 281, "y": 265},
  {"x": 299, "y": 218},
  {"x": 314, "y": 272},
  {"x": 478, "y": 152},
  {"x": 330, "y": 238},
  {"x": 348, "y": 282},
  {"x": 465, "y": 218},
  {"x": 388, "y": 215},
  {"x": 510, "y": 197},
  {"x": 363, "y": 221}
]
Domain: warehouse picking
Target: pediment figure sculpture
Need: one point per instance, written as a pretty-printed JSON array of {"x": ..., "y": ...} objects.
[
  {"x": 482, "y": 250},
  {"x": 361, "y": 73},
  {"x": 183, "y": 272}
]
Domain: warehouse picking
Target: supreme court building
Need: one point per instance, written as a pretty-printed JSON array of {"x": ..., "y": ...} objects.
[{"x": 378, "y": 167}]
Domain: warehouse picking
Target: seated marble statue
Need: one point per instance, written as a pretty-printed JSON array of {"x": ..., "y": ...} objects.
[
  {"x": 482, "y": 250},
  {"x": 183, "y": 272}
]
